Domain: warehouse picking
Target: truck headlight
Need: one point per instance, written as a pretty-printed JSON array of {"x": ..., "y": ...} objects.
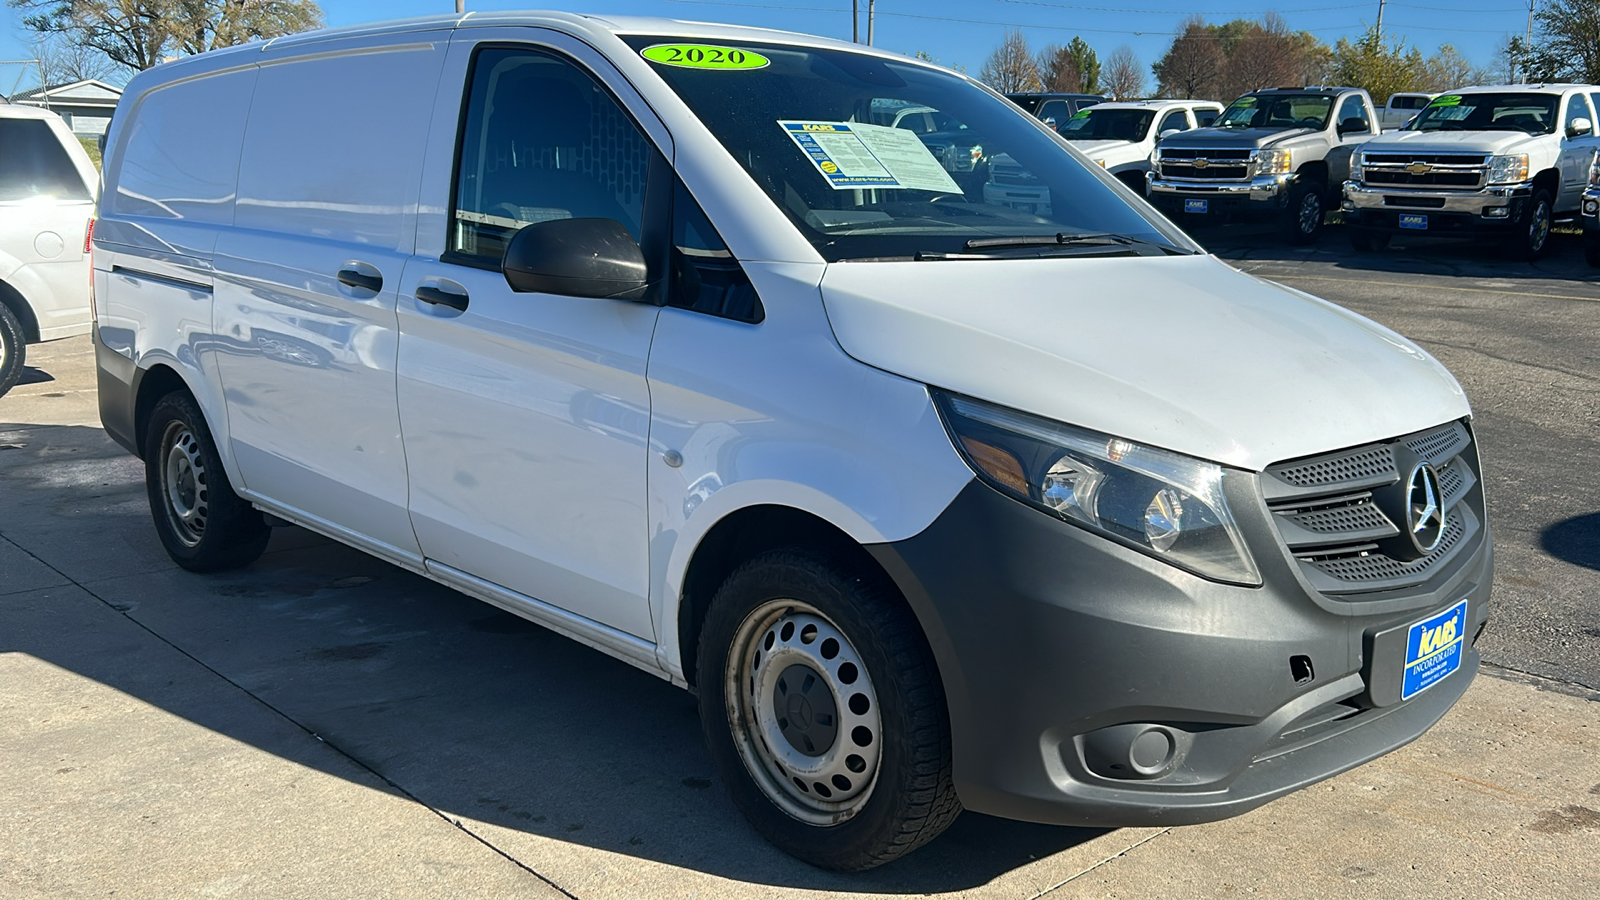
[
  {"x": 1594, "y": 171},
  {"x": 1273, "y": 162},
  {"x": 1158, "y": 502},
  {"x": 1508, "y": 169}
]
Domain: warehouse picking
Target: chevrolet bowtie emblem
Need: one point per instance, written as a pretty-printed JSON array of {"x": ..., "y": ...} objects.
[
  {"x": 1201, "y": 163},
  {"x": 1419, "y": 168}
]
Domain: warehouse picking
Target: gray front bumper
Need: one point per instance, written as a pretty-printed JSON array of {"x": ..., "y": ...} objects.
[
  {"x": 1360, "y": 196},
  {"x": 1262, "y": 189}
]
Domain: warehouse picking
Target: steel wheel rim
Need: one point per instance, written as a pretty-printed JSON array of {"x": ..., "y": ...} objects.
[
  {"x": 1539, "y": 228},
  {"x": 183, "y": 484},
  {"x": 1310, "y": 213},
  {"x": 775, "y": 647}
]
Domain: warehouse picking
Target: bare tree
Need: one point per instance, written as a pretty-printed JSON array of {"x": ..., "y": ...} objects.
[
  {"x": 1011, "y": 68},
  {"x": 1447, "y": 69},
  {"x": 1056, "y": 71},
  {"x": 1124, "y": 74},
  {"x": 1264, "y": 55},
  {"x": 138, "y": 34},
  {"x": 62, "y": 61},
  {"x": 1190, "y": 66}
]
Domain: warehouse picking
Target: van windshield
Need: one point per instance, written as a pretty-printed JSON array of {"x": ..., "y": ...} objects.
[
  {"x": 872, "y": 158},
  {"x": 1532, "y": 113}
]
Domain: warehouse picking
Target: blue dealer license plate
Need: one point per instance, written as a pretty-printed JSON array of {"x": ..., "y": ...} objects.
[
  {"x": 1433, "y": 650},
  {"x": 1413, "y": 221},
  {"x": 1196, "y": 206}
]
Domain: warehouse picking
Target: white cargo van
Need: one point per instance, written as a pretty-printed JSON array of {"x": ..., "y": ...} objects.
[
  {"x": 645, "y": 331},
  {"x": 47, "y": 189}
]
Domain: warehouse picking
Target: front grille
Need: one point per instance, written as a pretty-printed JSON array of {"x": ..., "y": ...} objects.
[
  {"x": 1342, "y": 515},
  {"x": 1211, "y": 172},
  {"x": 1000, "y": 176},
  {"x": 1176, "y": 153},
  {"x": 1448, "y": 170}
]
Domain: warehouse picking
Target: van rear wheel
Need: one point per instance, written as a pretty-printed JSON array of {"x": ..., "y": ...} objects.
[
  {"x": 13, "y": 349},
  {"x": 823, "y": 711},
  {"x": 202, "y": 523}
]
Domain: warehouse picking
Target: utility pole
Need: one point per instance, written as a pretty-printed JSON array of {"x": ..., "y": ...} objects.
[
  {"x": 1380, "y": 19},
  {"x": 461, "y": 6},
  {"x": 870, "y": 4},
  {"x": 1527, "y": 42},
  {"x": 855, "y": 21}
]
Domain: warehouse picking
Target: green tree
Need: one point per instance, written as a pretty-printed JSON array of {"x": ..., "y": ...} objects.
[
  {"x": 1566, "y": 46},
  {"x": 139, "y": 34},
  {"x": 1190, "y": 66},
  {"x": 1382, "y": 69},
  {"x": 1072, "y": 69}
]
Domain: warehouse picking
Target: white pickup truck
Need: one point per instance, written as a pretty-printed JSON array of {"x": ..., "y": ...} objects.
[{"x": 1505, "y": 160}]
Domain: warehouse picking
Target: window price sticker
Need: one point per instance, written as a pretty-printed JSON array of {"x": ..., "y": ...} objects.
[{"x": 852, "y": 155}]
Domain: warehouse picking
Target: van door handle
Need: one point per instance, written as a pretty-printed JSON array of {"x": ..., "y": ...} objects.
[
  {"x": 436, "y": 297},
  {"x": 358, "y": 279}
]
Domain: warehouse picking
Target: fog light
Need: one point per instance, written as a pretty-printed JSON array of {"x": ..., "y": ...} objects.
[
  {"x": 1591, "y": 207},
  {"x": 1135, "y": 751},
  {"x": 1347, "y": 205},
  {"x": 1495, "y": 212}
]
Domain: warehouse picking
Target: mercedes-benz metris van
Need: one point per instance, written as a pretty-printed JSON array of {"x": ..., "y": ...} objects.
[{"x": 646, "y": 331}]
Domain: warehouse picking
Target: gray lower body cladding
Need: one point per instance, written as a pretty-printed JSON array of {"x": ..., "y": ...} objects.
[
  {"x": 1090, "y": 684},
  {"x": 117, "y": 379}
]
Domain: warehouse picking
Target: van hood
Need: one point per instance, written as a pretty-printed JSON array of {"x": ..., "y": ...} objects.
[
  {"x": 1184, "y": 353},
  {"x": 1491, "y": 142}
]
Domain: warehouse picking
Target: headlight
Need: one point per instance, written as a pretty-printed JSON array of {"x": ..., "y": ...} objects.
[
  {"x": 1508, "y": 169},
  {"x": 1161, "y": 503},
  {"x": 1594, "y": 171},
  {"x": 1273, "y": 162}
]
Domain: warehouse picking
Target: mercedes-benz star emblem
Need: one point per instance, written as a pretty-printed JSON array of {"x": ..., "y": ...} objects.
[{"x": 1425, "y": 509}]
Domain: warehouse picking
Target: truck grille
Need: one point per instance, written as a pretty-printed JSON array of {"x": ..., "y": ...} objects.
[
  {"x": 1205, "y": 165},
  {"x": 1342, "y": 515},
  {"x": 1451, "y": 171}
]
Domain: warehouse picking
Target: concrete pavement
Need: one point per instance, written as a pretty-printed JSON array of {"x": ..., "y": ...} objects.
[{"x": 322, "y": 724}]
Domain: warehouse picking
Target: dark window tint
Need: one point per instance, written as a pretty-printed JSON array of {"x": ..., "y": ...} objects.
[
  {"x": 1594, "y": 99},
  {"x": 541, "y": 141},
  {"x": 1407, "y": 102},
  {"x": 705, "y": 276},
  {"x": 34, "y": 164},
  {"x": 1205, "y": 118},
  {"x": 1174, "y": 120},
  {"x": 1103, "y": 124}
]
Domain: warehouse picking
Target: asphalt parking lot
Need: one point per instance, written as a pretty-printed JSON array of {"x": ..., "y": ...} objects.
[{"x": 323, "y": 724}]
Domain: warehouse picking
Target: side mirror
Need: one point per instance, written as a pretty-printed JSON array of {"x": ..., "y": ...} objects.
[
  {"x": 100, "y": 142},
  {"x": 576, "y": 258},
  {"x": 1579, "y": 126},
  {"x": 1353, "y": 125},
  {"x": 1050, "y": 122},
  {"x": 1169, "y": 133}
]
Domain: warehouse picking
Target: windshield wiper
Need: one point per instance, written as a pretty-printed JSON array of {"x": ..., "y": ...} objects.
[{"x": 1103, "y": 238}]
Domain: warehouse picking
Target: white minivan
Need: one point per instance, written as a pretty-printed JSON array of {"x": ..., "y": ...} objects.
[
  {"x": 47, "y": 190},
  {"x": 645, "y": 331}
]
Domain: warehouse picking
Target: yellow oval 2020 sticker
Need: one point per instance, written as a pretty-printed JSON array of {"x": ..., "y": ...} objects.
[{"x": 704, "y": 56}]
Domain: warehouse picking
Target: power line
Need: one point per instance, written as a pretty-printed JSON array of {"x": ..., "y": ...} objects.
[{"x": 1176, "y": 12}]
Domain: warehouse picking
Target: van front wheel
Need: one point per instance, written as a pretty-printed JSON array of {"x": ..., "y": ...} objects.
[
  {"x": 824, "y": 712},
  {"x": 202, "y": 523},
  {"x": 13, "y": 349}
]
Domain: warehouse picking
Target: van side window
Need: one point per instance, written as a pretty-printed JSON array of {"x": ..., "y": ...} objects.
[
  {"x": 34, "y": 164},
  {"x": 541, "y": 140},
  {"x": 183, "y": 146},
  {"x": 705, "y": 276},
  {"x": 1174, "y": 120}
]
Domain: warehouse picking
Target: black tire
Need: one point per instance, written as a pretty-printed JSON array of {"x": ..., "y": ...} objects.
[
  {"x": 1368, "y": 241},
  {"x": 1591, "y": 249},
  {"x": 908, "y": 799},
  {"x": 13, "y": 349},
  {"x": 1302, "y": 224},
  {"x": 203, "y": 524},
  {"x": 1532, "y": 236}
]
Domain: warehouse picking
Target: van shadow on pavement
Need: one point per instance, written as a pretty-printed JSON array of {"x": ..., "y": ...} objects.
[
  {"x": 1576, "y": 540},
  {"x": 471, "y": 710}
]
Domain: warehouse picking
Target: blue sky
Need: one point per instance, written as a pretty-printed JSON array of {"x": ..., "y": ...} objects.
[{"x": 963, "y": 32}]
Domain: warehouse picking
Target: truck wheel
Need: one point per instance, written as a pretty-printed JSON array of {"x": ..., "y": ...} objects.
[
  {"x": 1368, "y": 241},
  {"x": 1304, "y": 212},
  {"x": 823, "y": 711},
  {"x": 1135, "y": 181},
  {"x": 1532, "y": 238},
  {"x": 202, "y": 523},
  {"x": 13, "y": 349}
]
